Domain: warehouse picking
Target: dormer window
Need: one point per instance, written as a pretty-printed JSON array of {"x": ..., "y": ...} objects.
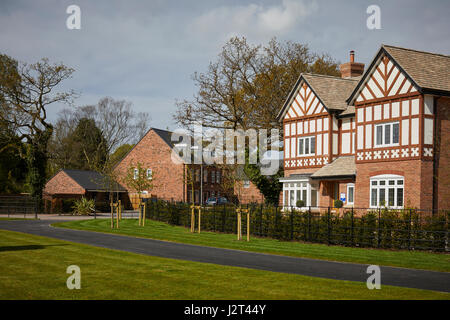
[{"x": 306, "y": 146}]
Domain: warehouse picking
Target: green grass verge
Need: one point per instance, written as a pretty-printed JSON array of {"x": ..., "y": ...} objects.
[
  {"x": 34, "y": 267},
  {"x": 163, "y": 231}
]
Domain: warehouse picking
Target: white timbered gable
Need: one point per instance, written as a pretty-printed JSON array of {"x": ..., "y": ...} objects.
[
  {"x": 305, "y": 103},
  {"x": 385, "y": 80}
]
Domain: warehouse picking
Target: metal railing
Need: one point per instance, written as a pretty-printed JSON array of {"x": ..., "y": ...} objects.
[
  {"x": 410, "y": 229},
  {"x": 18, "y": 205}
]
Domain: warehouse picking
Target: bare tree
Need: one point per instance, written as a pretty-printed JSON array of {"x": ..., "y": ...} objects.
[
  {"x": 247, "y": 85},
  {"x": 116, "y": 120}
]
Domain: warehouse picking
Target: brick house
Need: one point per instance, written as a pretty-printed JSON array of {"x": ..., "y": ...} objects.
[
  {"x": 74, "y": 184},
  {"x": 174, "y": 179},
  {"x": 373, "y": 138}
]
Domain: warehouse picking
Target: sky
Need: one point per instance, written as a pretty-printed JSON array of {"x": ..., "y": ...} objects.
[{"x": 146, "y": 51}]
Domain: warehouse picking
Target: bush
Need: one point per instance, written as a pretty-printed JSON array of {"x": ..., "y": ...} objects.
[
  {"x": 338, "y": 203},
  {"x": 84, "y": 206},
  {"x": 300, "y": 203}
]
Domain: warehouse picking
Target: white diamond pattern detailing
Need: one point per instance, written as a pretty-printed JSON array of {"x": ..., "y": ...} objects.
[
  {"x": 428, "y": 152},
  {"x": 377, "y": 155},
  {"x": 360, "y": 156},
  {"x": 368, "y": 155},
  {"x": 394, "y": 153},
  {"x": 405, "y": 153},
  {"x": 414, "y": 152}
]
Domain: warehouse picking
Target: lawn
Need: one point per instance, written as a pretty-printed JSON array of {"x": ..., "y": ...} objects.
[
  {"x": 163, "y": 231},
  {"x": 34, "y": 267}
]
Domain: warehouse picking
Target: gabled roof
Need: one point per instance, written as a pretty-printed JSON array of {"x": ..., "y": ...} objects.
[
  {"x": 331, "y": 91},
  {"x": 165, "y": 135},
  {"x": 338, "y": 168},
  {"x": 90, "y": 180},
  {"x": 429, "y": 72}
]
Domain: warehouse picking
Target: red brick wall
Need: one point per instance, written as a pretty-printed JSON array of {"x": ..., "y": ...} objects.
[
  {"x": 61, "y": 183},
  {"x": 442, "y": 153},
  {"x": 250, "y": 194},
  {"x": 152, "y": 152},
  {"x": 418, "y": 181}
]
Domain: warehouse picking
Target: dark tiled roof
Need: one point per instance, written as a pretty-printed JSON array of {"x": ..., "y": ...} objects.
[
  {"x": 165, "y": 135},
  {"x": 90, "y": 180},
  {"x": 428, "y": 70}
]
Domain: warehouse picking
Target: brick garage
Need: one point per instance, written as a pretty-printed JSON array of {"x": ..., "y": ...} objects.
[{"x": 75, "y": 184}]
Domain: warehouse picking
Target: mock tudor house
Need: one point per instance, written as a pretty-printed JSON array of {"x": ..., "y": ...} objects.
[
  {"x": 173, "y": 180},
  {"x": 374, "y": 138}
]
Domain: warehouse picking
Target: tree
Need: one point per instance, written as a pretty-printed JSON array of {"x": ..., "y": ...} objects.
[
  {"x": 137, "y": 179},
  {"x": 26, "y": 90},
  {"x": 120, "y": 153},
  {"x": 88, "y": 146},
  {"x": 246, "y": 87},
  {"x": 13, "y": 168},
  {"x": 248, "y": 84},
  {"x": 269, "y": 186},
  {"x": 116, "y": 120}
]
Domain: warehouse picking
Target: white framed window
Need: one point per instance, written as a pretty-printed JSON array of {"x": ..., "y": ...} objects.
[
  {"x": 213, "y": 176},
  {"x": 306, "y": 146},
  {"x": 149, "y": 174},
  {"x": 299, "y": 190},
  {"x": 246, "y": 183},
  {"x": 136, "y": 173},
  {"x": 350, "y": 193},
  {"x": 387, "y": 134},
  {"x": 387, "y": 190}
]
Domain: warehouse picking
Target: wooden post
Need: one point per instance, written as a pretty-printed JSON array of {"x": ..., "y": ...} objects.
[
  {"x": 239, "y": 222},
  {"x": 112, "y": 215},
  {"x": 192, "y": 218},
  {"x": 144, "y": 212},
  {"x": 120, "y": 210},
  {"x": 140, "y": 213},
  {"x": 117, "y": 213}
]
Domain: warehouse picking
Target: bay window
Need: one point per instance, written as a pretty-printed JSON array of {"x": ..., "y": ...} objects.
[{"x": 299, "y": 190}]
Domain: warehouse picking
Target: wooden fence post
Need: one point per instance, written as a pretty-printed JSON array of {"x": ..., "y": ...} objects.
[
  {"x": 144, "y": 213},
  {"x": 192, "y": 218},
  {"x": 112, "y": 215},
  {"x": 117, "y": 215}
]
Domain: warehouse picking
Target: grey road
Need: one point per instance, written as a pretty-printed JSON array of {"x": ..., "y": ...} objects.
[{"x": 420, "y": 279}]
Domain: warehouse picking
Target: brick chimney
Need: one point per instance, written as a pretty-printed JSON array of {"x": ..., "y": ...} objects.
[{"x": 351, "y": 69}]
